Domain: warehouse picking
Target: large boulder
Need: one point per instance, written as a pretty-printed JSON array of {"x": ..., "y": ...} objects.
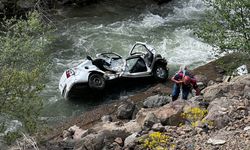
[
  {"x": 237, "y": 87},
  {"x": 103, "y": 135},
  {"x": 150, "y": 120},
  {"x": 242, "y": 85},
  {"x": 218, "y": 112},
  {"x": 223, "y": 110},
  {"x": 125, "y": 111},
  {"x": 130, "y": 139},
  {"x": 214, "y": 91},
  {"x": 169, "y": 114},
  {"x": 97, "y": 140},
  {"x": 156, "y": 101},
  {"x": 158, "y": 127}
]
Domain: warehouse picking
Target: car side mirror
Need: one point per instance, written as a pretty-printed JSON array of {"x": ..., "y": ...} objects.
[{"x": 89, "y": 58}]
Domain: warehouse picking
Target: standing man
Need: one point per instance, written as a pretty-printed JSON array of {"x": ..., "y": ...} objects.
[{"x": 184, "y": 80}]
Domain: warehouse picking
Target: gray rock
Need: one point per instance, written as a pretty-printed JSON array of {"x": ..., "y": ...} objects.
[
  {"x": 214, "y": 91},
  {"x": 125, "y": 111},
  {"x": 169, "y": 114},
  {"x": 218, "y": 111},
  {"x": 98, "y": 140},
  {"x": 158, "y": 127},
  {"x": 130, "y": 139},
  {"x": 106, "y": 118},
  {"x": 150, "y": 120},
  {"x": 216, "y": 141},
  {"x": 119, "y": 141},
  {"x": 156, "y": 101},
  {"x": 247, "y": 128}
]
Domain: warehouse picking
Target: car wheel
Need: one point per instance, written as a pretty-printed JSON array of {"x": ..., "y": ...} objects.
[
  {"x": 160, "y": 73},
  {"x": 96, "y": 81}
]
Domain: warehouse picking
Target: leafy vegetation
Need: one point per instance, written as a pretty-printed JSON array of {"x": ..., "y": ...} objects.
[
  {"x": 156, "y": 141},
  {"x": 194, "y": 115},
  {"x": 22, "y": 69},
  {"x": 227, "y": 25}
]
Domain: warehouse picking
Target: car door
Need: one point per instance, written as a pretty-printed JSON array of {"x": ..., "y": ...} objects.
[
  {"x": 145, "y": 51},
  {"x": 136, "y": 67}
]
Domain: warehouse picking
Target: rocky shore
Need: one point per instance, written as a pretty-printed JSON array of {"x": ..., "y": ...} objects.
[
  {"x": 218, "y": 119},
  {"x": 150, "y": 120}
]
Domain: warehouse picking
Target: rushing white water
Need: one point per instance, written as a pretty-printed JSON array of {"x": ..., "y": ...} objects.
[{"x": 101, "y": 27}]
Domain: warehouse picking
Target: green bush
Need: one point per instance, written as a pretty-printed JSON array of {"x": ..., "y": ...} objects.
[
  {"x": 155, "y": 141},
  {"x": 194, "y": 115},
  {"x": 23, "y": 65},
  {"x": 226, "y": 25}
]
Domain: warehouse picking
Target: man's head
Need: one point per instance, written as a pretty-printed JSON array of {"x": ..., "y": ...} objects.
[{"x": 186, "y": 80}]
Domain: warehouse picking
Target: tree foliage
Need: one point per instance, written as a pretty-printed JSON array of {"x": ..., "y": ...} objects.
[
  {"x": 22, "y": 68},
  {"x": 227, "y": 25}
]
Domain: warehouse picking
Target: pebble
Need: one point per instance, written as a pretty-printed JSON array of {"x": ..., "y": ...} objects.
[
  {"x": 247, "y": 128},
  {"x": 230, "y": 128},
  {"x": 119, "y": 141},
  {"x": 181, "y": 132},
  {"x": 216, "y": 141}
]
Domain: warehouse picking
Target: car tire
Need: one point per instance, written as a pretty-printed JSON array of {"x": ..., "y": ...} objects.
[
  {"x": 160, "y": 73},
  {"x": 96, "y": 81}
]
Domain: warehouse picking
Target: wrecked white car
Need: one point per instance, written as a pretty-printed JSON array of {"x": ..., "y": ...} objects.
[{"x": 141, "y": 62}]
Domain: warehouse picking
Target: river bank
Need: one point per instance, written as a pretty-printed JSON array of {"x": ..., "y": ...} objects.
[{"x": 209, "y": 74}]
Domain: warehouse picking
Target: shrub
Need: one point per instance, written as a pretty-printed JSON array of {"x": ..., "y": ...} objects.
[
  {"x": 23, "y": 66},
  {"x": 194, "y": 115},
  {"x": 156, "y": 141},
  {"x": 226, "y": 25}
]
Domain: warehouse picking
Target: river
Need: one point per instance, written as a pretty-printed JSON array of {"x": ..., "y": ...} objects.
[{"x": 116, "y": 26}]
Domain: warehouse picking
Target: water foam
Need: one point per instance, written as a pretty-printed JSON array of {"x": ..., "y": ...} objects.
[
  {"x": 184, "y": 49},
  {"x": 151, "y": 20},
  {"x": 190, "y": 10}
]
